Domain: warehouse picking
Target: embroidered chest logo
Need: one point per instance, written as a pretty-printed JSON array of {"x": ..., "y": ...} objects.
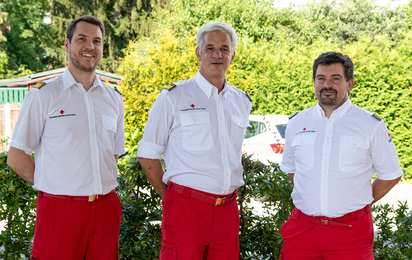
[
  {"x": 192, "y": 106},
  {"x": 62, "y": 113},
  {"x": 304, "y": 130}
]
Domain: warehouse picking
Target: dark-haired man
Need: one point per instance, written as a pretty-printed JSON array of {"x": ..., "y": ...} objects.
[
  {"x": 332, "y": 150},
  {"x": 74, "y": 125}
]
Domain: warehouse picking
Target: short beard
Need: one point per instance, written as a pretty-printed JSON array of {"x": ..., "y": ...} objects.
[
  {"x": 77, "y": 64},
  {"x": 326, "y": 101}
]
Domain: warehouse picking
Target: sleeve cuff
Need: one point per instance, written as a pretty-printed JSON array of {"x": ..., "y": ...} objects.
[
  {"x": 21, "y": 146},
  {"x": 392, "y": 176},
  {"x": 150, "y": 150},
  {"x": 287, "y": 169}
]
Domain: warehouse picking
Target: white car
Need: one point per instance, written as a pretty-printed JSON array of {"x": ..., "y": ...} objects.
[{"x": 265, "y": 137}]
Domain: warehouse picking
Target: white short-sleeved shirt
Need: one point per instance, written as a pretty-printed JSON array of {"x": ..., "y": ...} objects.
[
  {"x": 200, "y": 133},
  {"x": 334, "y": 159},
  {"x": 74, "y": 135}
]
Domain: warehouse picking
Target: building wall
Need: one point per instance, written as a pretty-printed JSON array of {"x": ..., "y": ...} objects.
[{"x": 8, "y": 118}]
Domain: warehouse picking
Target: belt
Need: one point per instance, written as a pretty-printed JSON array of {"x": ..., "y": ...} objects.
[
  {"x": 90, "y": 198},
  {"x": 187, "y": 192},
  {"x": 340, "y": 221}
]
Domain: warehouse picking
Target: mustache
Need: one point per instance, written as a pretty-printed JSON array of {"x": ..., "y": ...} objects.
[{"x": 328, "y": 89}]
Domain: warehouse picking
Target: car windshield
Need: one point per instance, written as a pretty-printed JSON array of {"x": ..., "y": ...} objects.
[{"x": 281, "y": 130}]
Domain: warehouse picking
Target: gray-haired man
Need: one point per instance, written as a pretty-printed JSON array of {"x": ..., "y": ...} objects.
[{"x": 199, "y": 125}]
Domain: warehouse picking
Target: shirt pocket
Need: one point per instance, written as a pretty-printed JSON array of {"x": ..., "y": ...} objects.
[
  {"x": 109, "y": 131},
  {"x": 197, "y": 132},
  {"x": 353, "y": 153},
  {"x": 304, "y": 146},
  {"x": 238, "y": 131}
]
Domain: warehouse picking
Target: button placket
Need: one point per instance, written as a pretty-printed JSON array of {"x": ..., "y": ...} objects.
[{"x": 93, "y": 143}]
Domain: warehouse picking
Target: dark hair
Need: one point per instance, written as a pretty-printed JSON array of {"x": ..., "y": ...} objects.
[
  {"x": 88, "y": 19},
  {"x": 333, "y": 57}
]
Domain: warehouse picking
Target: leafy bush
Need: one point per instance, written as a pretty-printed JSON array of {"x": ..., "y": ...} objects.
[
  {"x": 17, "y": 210},
  {"x": 394, "y": 240},
  {"x": 140, "y": 235}
]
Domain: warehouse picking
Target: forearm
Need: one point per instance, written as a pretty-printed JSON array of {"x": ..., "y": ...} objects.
[
  {"x": 380, "y": 188},
  {"x": 21, "y": 163},
  {"x": 291, "y": 176},
  {"x": 154, "y": 172}
]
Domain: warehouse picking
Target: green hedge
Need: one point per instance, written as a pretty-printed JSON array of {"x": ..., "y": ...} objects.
[{"x": 140, "y": 236}]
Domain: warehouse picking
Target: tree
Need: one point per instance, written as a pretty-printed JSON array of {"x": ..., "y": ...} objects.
[
  {"x": 124, "y": 20},
  {"x": 23, "y": 34}
]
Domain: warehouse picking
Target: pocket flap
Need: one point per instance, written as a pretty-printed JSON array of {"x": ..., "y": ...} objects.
[
  {"x": 239, "y": 121},
  {"x": 194, "y": 118},
  {"x": 306, "y": 139},
  {"x": 354, "y": 142}
]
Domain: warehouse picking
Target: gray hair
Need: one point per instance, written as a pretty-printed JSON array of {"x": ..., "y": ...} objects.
[{"x": 216, "y": 27}]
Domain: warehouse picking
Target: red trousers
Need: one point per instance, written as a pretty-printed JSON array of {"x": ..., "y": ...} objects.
[
  {"x": 71, "y": 228},
  {"x": 322, "y": 238},
  {"x": 195, "y": 228}
]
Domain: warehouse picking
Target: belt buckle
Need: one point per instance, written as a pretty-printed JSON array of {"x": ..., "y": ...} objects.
[
  {"x": 92, "y": 198},
  {"x": 324, "y": 222},
  {"x": 219, "y": 201}
]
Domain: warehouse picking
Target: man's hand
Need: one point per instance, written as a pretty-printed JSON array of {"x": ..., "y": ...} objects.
[
  {"x": 154, "y": 172},
  {"x": 21, "y": 163}
]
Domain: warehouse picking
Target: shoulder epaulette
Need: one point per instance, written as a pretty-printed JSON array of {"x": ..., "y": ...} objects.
[
  {"x": 292, "y": 116},
  {"x": 39, "y": 85},
  {"x": 248, "y": 96},
  {"x": 170, "y": 86},
  {"x": 374, "y": 115},
  {"x": 115, "y": 89}
]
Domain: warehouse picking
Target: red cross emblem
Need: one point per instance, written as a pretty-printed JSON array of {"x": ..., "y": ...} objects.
[{"x": 61, "y": 112}]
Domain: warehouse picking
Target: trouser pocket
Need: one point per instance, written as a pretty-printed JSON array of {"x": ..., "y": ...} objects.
[{"x": 168, "y": 251}]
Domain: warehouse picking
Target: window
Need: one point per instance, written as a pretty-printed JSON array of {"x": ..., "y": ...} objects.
[
  {"x": 252, "y": 130},
  {"x": 262, "y": 128}
]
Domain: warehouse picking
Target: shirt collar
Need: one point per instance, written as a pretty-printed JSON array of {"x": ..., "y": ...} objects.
[
  {"x": 207, "y": 87},
  {"x": 69, "y": 80},
  {"x": 337, "y": 113}
]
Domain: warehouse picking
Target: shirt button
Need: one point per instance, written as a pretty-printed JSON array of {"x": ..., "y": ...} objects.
[
  {"x": 222, "y": 137},
  {"x": 220, "y": 118},
  {"x": 324, "y": 172},
  {"x": 324, "y": 210},
  {"x": 195, "y": 120},
  {"x": 326, "y": 154},
  {"x": 227, "y": 174},
  {"x": 92, "y": 131},
  {"x": 113, "y": 128},
  {"x": 224, "y": 156},
  {"x": 354, "y": 144},
  {"x": 323, "y": 191},
  {"x": 94, "y": 150}
]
